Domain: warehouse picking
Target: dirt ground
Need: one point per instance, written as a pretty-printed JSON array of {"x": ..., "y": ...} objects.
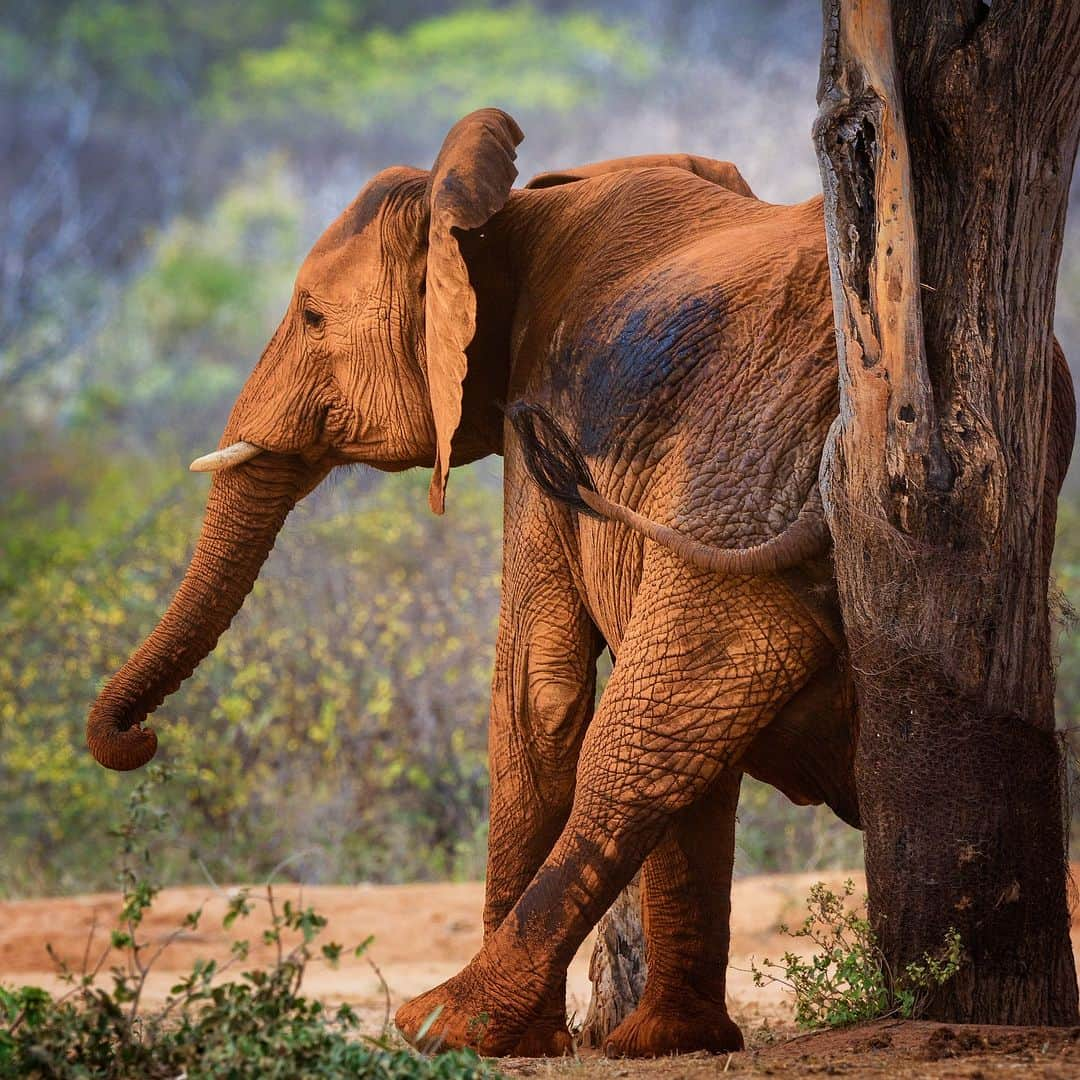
[{"x": 425, "y": 933}]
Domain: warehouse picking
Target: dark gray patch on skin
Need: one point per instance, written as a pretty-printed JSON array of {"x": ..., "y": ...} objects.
[
  {"x": 631, "y": 362},
  {"x": 454, "y": 191}
]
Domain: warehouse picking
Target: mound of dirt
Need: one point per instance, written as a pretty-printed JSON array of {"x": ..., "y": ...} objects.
[
  {"x": 907, "y": 1050},
  {"x": 924, "y": 1048}
]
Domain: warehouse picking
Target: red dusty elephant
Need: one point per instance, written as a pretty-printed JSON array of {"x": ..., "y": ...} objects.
[{"x": 668, "y": 341}]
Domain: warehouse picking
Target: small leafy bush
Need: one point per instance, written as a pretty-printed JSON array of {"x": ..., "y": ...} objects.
[
  {"x": 848, "y": 980},
  {"x": 257, "y": 1025}
]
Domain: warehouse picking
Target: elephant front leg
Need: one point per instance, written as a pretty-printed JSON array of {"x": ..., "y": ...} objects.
[
  {"x": 542, "y": 701},
  {"x": 686, "y": 907}
]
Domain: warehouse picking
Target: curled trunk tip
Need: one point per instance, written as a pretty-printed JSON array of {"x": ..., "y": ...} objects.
[{"x": 118, "y": 747}]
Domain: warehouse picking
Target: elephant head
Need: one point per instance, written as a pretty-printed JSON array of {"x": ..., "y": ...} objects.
[{"x": 368, "y": 365}]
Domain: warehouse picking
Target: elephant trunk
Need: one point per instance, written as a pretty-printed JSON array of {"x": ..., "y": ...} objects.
[{"x": 246, "y": 508}]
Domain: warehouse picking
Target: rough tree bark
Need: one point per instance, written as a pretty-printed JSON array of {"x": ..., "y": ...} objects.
[
  {"x": 617, "y": 969},
  {"x": 946, "y": 164}
]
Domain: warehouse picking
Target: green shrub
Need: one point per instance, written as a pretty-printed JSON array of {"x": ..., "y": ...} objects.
[
  {"x": 847, "y": 980},
  {"x": 257, "y": 1025}
]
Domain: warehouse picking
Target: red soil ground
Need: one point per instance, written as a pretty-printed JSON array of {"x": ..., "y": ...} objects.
[{"x": 425, "y": 933}]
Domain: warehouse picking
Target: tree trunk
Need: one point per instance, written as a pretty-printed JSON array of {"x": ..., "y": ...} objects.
[
  {"x": 617, "y": 969},
  {"x": 946, "y": 166}
]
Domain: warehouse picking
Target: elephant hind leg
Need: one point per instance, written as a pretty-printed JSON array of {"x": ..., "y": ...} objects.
[
  {"x": 686, "y": 906},
  {"x": 684, "y": 701}
]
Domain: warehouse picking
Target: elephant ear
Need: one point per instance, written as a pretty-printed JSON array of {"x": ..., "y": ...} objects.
[{"x": 470, "y": 182}]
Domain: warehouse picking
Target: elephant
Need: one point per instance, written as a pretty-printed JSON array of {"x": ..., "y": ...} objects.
[{"x": 651, "y": 349}]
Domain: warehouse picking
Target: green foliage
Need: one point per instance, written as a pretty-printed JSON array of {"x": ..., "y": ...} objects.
[
  {"x": 149, "y": 52},
  {"x": 1065, "y": 602},
  {"x": 356, "y": 64},
  {"x": 198, "y": 315},
  {"x": 775, "y": 834},
  {"x": 847, "y": 979},
  {"x": 257, "y": 1025},
  {"x": 437, "y": 69}
]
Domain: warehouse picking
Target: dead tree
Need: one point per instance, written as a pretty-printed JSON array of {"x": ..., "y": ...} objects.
[{"x": 946, "y": 161}]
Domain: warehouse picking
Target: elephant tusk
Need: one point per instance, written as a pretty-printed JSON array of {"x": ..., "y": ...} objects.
[{"x": 227, "y": 458}]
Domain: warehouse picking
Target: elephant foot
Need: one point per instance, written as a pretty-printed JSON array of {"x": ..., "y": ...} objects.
[
  {"x": 674, "y": 1026},
  {"x": 547, "y": 1035},
  {"x": 542, "y": 1040},
  {"x": 463, "y": 1012}
]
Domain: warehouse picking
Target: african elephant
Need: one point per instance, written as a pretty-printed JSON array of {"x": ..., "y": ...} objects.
[{"x": 669, "y": 341}]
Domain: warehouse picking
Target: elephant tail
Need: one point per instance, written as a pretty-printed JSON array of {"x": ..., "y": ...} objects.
[{"x": 556, "y": 466}]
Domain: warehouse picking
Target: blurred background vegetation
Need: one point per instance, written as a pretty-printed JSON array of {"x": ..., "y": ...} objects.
[{"x": 164, "y": 168}]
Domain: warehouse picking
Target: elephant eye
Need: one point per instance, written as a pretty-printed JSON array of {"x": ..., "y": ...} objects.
[{"x": 313, "y": 319}]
